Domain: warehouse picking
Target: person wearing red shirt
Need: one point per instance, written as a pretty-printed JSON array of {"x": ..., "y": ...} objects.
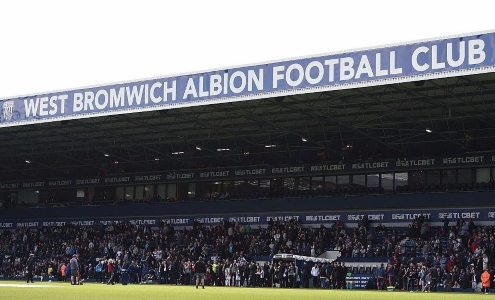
[{"x": 111, "y": 271}]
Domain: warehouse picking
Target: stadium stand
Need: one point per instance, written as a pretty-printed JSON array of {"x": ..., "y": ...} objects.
[
  {"x": 382, "y": 168},
  {"x": 163, "y": 254}
]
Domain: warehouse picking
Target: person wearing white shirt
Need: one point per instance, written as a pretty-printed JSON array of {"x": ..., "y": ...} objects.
[
  {"x": 485, "y": 261},
  {"x": 227, "y": 276},
  {"x": 315, "y": 272}
]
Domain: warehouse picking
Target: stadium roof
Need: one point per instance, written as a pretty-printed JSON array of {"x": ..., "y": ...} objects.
[{"x": 440, "y": 116}]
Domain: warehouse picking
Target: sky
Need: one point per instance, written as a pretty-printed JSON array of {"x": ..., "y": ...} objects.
[{"x": 53, "y": 45}]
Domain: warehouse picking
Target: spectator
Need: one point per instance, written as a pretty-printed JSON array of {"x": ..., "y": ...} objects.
[
  {"x": 147, "y": 248},
  {"x": 30, "y": 268},
  {"x": 200, "y": 270},
  {"x": 74, "y": 270},
  {"x": 380, "y": 277},
  {"x": 99, "y": 272},
  {"x": 315, "y": 273},
  {"x": 485, "y": 280}
]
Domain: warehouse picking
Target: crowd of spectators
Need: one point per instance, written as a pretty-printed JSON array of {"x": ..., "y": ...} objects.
[
  {"x": 239, "y": 255},
  {"x": 450, "y": 256}
]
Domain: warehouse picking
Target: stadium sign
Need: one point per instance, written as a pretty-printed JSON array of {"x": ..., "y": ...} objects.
[
  {"x": 7, "y": 225},
  {"x": 348, "y": 218},
  {"x": 397, "y": 165},
  {"x": 416, "y": 61},
  {"x": 237, "y": 173}
]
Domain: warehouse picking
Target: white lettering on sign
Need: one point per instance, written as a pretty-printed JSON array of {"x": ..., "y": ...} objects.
[
  {"x": 410, "y": 216},
  {"x": 371, "y": 217},
  {"x": 320, "y": 218},
  {"x": 430, "y": 58},
  {"x": 457, "y": 215},
  {"x": 370, "y": 165},
  {"x": 287, "y": 170},
  {"x": 463, "y": 160},
  {"x": 335, "y": 167}
]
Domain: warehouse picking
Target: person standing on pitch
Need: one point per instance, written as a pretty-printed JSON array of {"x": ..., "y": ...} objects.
[
  {"x": 74, "y": 269},
  {"x": 111, "y": 270},
  {"x": 30, "y": 268},
  {"x": 200, "y": 271},
  {"x": 485, "y": 281}
]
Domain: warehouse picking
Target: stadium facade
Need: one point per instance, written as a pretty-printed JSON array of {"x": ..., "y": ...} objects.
[{"x": 390, "y": 132}]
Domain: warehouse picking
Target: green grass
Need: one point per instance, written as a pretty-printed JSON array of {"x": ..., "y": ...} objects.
[{"x": 90, "y": 291}]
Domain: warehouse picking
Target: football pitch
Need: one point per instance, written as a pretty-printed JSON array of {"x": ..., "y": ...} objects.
[{"x": 11, "y": 290}]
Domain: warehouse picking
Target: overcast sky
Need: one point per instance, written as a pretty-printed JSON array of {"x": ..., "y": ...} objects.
[{"x": 58, "y": 45}]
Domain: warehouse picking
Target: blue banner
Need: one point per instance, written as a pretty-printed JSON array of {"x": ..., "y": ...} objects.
[
  {"x": 399, "y": 216},
  {"x": 424, "y": 60}
]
